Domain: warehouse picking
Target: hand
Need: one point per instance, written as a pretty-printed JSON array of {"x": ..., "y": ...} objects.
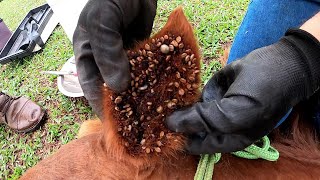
[
  {"x": 246, "y": 99},
  {"x": 104, "y": 29}
]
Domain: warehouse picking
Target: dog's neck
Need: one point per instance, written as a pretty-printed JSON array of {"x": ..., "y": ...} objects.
[{"x": 176, "y": 165}]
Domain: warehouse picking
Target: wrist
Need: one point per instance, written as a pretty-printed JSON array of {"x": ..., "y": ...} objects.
[
  {"x": 312, "y": 26},
  {"x": 308, "y": 47}
]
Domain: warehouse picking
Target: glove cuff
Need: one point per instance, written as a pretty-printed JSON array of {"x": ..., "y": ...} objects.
[{"x": 309, "y": 48}]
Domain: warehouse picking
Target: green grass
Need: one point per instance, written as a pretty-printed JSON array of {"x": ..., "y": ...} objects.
[{"x": 215, "y": 23}]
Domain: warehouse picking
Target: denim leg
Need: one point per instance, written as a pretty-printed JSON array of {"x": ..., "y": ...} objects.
[{"x": 266, "y": 21}]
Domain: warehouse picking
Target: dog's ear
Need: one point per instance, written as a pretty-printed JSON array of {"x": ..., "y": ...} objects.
[
  {"x": 88, "y": 127},
  {"x": 165, "y": 76},
  {"x": 224, "y": 58},
  {"x": 178, "y": 24}
]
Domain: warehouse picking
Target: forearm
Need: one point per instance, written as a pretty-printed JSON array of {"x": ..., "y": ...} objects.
[{"x": 313, "y": 26}]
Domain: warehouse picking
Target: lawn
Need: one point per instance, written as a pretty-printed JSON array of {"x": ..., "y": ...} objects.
[{"x": 215, "y": 24}]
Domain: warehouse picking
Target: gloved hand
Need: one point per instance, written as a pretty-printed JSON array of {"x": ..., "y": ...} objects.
[
  {"x": 104, "y": 29},
  {"x": 245, "y": 100}
]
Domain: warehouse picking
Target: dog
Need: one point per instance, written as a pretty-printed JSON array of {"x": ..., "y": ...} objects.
[{"x": 99, "y": 152}]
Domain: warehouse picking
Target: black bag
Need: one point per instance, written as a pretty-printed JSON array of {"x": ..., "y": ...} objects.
[
  {"x": 5, "y": 34},
  {"x": 26, "y": 39}
]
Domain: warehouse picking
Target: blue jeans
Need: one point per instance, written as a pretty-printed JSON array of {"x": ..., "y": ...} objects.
[{"x": 266, "y": 21}]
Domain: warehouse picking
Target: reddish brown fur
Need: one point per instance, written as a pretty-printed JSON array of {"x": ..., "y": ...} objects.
[
  {"x": 89, "y": 127},
  {"x": 299, "y": 152},
  {"x": 98, "y": 155}
]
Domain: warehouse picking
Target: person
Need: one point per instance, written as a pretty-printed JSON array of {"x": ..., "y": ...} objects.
[{"x": 244, "y": 100}]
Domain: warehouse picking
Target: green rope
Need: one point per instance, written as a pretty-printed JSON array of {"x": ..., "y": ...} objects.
[
  {"x": 266, "y": 152},
  {"x": 206, "y": 166},
  {"x": 207, "y": 161}
]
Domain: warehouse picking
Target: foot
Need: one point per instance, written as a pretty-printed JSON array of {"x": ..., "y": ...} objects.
[{"x": 20, "y": 114}]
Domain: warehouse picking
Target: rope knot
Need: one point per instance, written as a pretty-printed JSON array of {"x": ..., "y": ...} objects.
[{"x": 261, "y": 149}]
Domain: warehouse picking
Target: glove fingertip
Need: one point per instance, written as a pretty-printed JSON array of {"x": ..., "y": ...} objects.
[
  {"x": 172, "y": 122},
  {"x": 194, "y": 146},
  {"x": 118, "y": 85}
]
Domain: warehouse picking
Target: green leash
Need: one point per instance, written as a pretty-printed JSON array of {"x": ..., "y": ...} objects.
[
  {"x": 207, "y": 161},
  {"x": 206, "y": 166}
]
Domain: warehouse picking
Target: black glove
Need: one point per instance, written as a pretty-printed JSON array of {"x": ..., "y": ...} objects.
[
  {"x": 105, "y": 28},
  {"x": 246, "y": 99}
]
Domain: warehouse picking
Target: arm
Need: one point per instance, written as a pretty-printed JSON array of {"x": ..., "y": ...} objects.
[
  {"x": 313, "y": 26},
  {"x": 245, "y": 100}
]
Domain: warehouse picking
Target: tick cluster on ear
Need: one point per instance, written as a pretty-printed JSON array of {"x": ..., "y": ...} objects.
[{"x": 164, "y": 75}]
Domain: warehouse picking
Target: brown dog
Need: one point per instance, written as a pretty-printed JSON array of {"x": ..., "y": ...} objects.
[
  {"x": 99, "y": 153},
  {"x": 102, "y": 154}
]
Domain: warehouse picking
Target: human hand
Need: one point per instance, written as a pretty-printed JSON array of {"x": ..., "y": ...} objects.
[
  {"x": 104, "y": 30},
  {"x": 245, "y": 100}
]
